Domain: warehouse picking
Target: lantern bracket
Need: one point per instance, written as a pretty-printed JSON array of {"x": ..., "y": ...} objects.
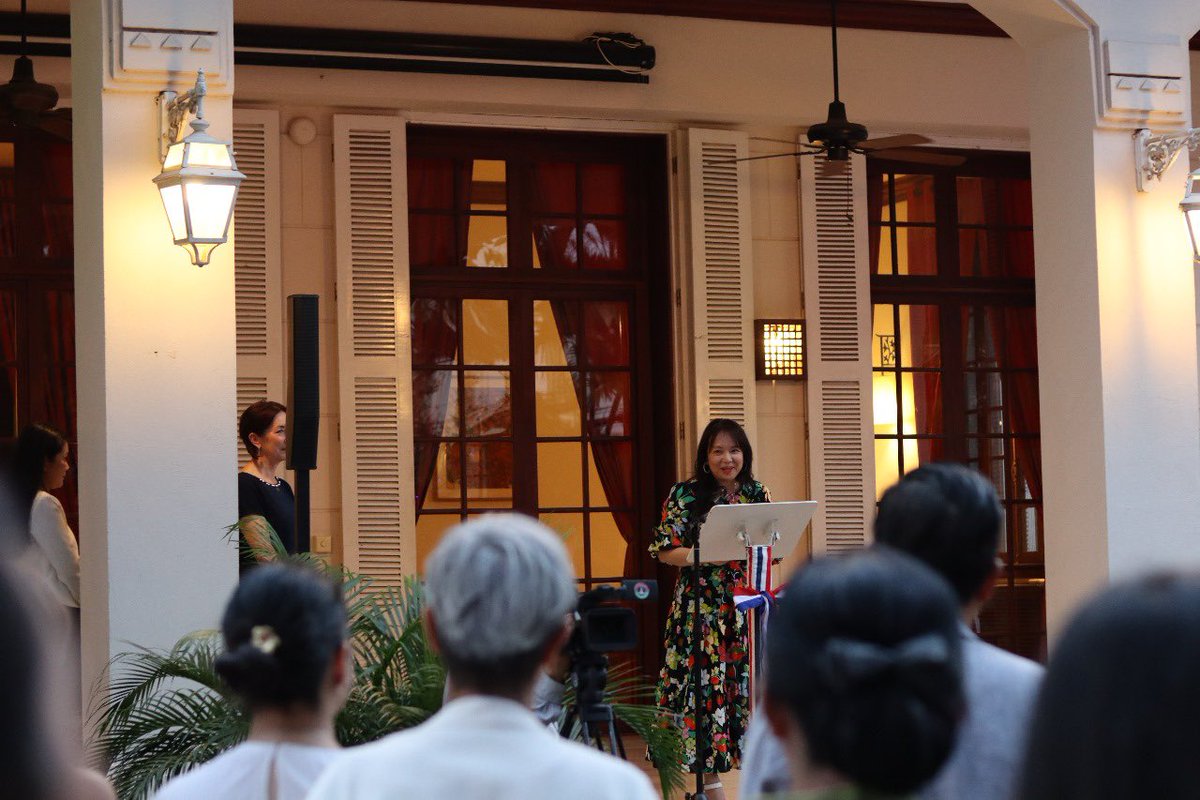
[
  {"x": 173, "y": 109},
  {"x": 1154, "y": 154}
]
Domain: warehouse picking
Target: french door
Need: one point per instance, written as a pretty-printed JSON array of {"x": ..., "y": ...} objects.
[{"x": 540, "y": 339}]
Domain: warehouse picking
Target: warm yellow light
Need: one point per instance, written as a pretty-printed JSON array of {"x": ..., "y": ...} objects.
[
  {"x": 1191, "y": 211},
  {"x": 781, "y": 349}
]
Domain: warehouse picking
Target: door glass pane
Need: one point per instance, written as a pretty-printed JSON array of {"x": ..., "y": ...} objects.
[
  {"x": 887, "y": 464},
  {"x": 557, "y": 404},
  {"x": 489, "y": 474},
  {"x": 487, "y": 241},
  {"x": 554, "y": 188},
  {"x": 554, "y": 244},
  {"x": 607, "y": 545},
  {"x": 921, "y": 395},
  {"x": 488, "y": 190},
  {"x": 555, "y": 337},
  {"x": 434, "y": 331},
  {"x": 920, "y": 338},
  {"x": 485, "y": 331},
  {"x": 560, "y": 474},
  {"x": 431, "y": 240},
  {"x": 435, "y": 403},
  {"x": 604, "y": 244},
  {"x": 615, "y": 486},
  {"x": 883, "y": 341},
  {"x": 973, "y": 196},
  {"x": 884, "y": 403},
  {"x": 431, "y": 183},
  {"x": 916, "y": 251},
  {"x": 430, "y": 529},
  {"x": 488, "y": 403},
  {"x": 570, "y": 528},
  {"x": 610, "y": 411},
  {"x": 445, "y": 490},
  {"x": 606, "y": 334},
  {"x": 881, "y": 249},
  {"x": 974, "y": 258},
  {"x": 914, "y": 198},
  {"x": 603, "y": 189}
]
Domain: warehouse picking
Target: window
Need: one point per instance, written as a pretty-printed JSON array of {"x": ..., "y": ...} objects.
[{"x": 954, "y": 352}]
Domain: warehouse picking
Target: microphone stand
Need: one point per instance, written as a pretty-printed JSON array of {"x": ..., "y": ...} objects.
[{"x": 697, "y": 649}]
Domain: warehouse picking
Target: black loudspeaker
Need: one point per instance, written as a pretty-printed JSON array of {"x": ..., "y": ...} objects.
[{"x": 304, "y": 381}]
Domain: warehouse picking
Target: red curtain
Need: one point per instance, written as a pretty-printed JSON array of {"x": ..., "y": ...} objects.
[{"x": 924, "y": 331}]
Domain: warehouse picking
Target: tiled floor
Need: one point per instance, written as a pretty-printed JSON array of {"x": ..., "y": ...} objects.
[{"x": 635, "y": 748}]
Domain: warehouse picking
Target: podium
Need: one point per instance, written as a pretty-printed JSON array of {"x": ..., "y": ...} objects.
[{"x": 756, "y": 533}]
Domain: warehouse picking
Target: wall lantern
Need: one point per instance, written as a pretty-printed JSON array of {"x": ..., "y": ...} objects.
[
  {"x": 1154, "y": 155},
  {"x": 779, "y": 349},
  {"x": 199, "y": 179}
]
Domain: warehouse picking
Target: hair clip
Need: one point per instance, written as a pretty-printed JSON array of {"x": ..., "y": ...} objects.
[{"x": 264, "y": 639}]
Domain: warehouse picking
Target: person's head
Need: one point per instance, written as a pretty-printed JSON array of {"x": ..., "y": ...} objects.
[
  {"x": 285, "y": 640},
  {"x": 949, "y": 517},
  {"x": 39, "y": 463},
  {"x": 864, "y": 673},
  {"x": 263, "y": 430},
  {"x": 724, "y": 453},
  {"x": 1117, "y": 715},
  {"x": 497, "y": 593}
]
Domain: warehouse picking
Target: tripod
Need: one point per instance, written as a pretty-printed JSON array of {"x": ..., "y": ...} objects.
[{"x": 589, "y": 709}]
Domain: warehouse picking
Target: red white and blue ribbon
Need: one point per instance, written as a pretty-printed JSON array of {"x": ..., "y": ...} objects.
[{"x": 758, "y": 568}]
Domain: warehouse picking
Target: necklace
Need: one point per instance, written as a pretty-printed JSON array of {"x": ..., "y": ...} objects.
[{"x": 273, "y": 484}]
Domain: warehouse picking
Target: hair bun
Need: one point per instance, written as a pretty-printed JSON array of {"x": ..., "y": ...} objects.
[{"x": 248, "y": 670}]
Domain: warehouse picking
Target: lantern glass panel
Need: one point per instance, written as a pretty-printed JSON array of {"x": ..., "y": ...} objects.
[
  {"x": 172, "y": 197},
  {"x": 209, "y": 154},
  {"x": 208, "y": 207},
  {"x": 174, "y": 159}
]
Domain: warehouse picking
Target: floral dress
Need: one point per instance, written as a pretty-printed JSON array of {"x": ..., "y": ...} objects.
[{"x": 724, "y": 658}]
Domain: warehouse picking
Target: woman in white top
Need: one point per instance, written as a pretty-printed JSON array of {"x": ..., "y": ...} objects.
[
  {"x": 287, "y": 659},
  {"x": 40, "y": 466}
]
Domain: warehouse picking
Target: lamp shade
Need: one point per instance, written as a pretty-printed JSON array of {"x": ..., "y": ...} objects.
[
  {"x": 199, "y": 184},
  {"x": 1191, "y": 211}
]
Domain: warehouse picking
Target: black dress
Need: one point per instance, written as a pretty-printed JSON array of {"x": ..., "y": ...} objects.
[{"x": 273, "y": 502}]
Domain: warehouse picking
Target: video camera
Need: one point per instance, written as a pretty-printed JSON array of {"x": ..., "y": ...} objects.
[{"x": 601, "y": 626}]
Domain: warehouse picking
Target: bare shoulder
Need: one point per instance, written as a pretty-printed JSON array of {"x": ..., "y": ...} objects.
[{"x": 91, "y": 785}]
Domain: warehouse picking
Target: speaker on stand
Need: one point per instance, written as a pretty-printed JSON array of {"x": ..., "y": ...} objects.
[{"x": 303, "y": 404}]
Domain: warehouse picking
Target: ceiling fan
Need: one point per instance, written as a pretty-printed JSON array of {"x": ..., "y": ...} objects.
[
  {"x": 837, "y": 137},
  {"x": 28, "y": 104}
]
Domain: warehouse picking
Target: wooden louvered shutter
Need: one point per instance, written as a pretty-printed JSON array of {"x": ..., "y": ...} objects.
[
  {"x": 722, "y": 286},
  {"x": 838, "y": 325},
  {"x": 374, "y": 347},
  {"x": 257, "y": 262}
]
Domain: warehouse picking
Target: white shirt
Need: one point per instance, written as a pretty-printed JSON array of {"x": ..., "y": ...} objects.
[
  {"x": 245, "y": 773},
  {"x": 53, "y": 554},
  {"x": 481, "y": 748}
]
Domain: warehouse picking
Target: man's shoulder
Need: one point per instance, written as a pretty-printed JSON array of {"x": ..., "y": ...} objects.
[
  {"x": 987, "y": 660},
  {"x": 593, "y": 766}
]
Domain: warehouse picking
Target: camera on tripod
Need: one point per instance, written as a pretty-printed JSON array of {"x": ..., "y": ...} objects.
[{"x": 601, "y": 626}]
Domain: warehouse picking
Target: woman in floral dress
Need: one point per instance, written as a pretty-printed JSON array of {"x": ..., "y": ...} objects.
[{"x": 722, "y": 475}]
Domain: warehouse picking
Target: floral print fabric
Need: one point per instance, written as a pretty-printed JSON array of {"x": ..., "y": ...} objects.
[{"x": 724, "y": 657}]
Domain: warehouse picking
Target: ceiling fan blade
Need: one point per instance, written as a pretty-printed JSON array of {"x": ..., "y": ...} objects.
[
  {"x": 888, "y": 142},
  {"x": 913, "y": 156}
]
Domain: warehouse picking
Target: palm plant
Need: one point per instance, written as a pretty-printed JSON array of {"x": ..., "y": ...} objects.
[{"x": 164, "y": 712}]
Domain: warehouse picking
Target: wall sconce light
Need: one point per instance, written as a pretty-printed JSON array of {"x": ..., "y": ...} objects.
[
  {"x": 199, "y": 179},
  {"x": 779, "y": 349},
  {"x": 1154, "y": 155}
]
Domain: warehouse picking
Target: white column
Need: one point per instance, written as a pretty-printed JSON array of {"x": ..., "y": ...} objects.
[
  {"x": 155, "y": 343},
  {"x": 1115, "y": 304}
]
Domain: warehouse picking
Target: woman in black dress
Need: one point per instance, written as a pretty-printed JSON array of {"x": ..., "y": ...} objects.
[
  {"x": 722, "y": 475},
  {"x": 264, "y": 500}
]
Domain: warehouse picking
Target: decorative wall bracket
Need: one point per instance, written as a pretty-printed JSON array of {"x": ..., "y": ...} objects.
[
  {"x": 173, "y": 111},
  {"x": 1154, "y": 154}
]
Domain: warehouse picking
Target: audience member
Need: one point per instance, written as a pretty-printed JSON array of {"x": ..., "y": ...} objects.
[
  {"x": 40, "y": 466},
  {"x": 864, "y": 682},
  {"x": 1117, "y": 717},
  {"x": 948, "y": 517},
  {"x": 498, "y": 592},
  {"x": 286, "y": 656},
  {"x": 36, "y": 752}
]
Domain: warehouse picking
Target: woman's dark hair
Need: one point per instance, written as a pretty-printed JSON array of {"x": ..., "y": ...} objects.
[
  {"x": 1117, "y": 716},
  {"x": 949, "y": 518},
  {"x": 864, "y": 651},
  {"x": 282, "y": 627},
  {"x": 257, "y": 419},
  {"x": 708, "y": 485},
  {"x": 37, "y": 445},
  {"x": 29, "y": 761}
]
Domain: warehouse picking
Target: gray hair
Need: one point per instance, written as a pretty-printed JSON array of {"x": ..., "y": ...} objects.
[{"x": 498, "y": 586}]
